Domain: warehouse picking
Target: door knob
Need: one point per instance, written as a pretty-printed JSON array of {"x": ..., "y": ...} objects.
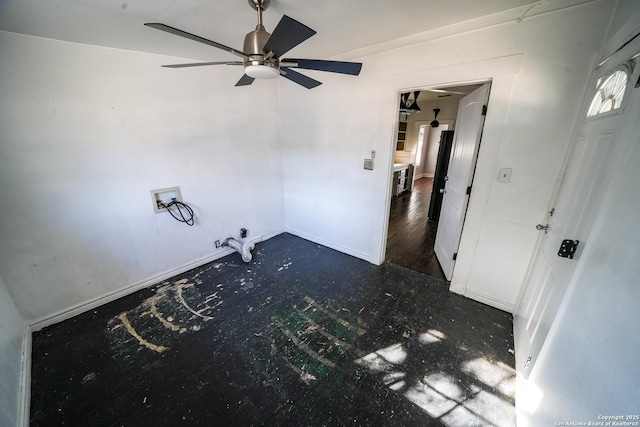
[
  {"x": 541, "y": 227},
  {"x": 442, "y": 191}
]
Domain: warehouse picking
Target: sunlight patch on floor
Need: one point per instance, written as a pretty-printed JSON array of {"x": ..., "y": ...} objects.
[
  {"x": 431, "y": 336},
  {"x": 478, "y": 392},
  {"x": 385, "y": 359},
  {"x": 493, "y": 374},
  {"x": 529, "y": 397},
  {"x": 426, "y": 394}
]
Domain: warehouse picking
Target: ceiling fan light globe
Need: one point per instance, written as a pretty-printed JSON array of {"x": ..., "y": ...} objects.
[{"x": 261, "y": 72}]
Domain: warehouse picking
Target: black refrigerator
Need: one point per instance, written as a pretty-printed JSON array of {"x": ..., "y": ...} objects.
[{"x": 442, "y": 164}]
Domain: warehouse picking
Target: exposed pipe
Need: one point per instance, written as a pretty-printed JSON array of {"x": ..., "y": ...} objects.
[{"x": 243, "y": 249}]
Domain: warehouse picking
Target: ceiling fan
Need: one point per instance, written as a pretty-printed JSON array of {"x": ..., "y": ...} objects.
[{"x": 262, "y": 52}]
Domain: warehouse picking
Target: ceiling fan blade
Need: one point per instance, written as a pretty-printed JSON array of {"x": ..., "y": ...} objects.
[
  {"x": 351, "y": 68},
  {"x": 288, "y": 34},
  {"x": 177, "y": 32},
  {"x": 201, "y": 64},
  {"x": 245, "y": 81},
  {"x": 301, "y": 79}
]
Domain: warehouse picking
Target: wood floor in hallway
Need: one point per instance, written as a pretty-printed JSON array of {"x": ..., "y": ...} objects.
[{"x": 411, "y": 235}]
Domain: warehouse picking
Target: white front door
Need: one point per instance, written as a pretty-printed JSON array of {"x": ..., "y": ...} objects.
[
  {"x": 581, "y": 192},
  {"x": 464, "y": 152}
]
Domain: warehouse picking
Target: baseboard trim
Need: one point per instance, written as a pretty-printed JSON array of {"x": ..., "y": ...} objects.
[
  {"x": 423, "y": 175},
  {"x": 24, "y": 404},
  {"x": 339, "y": 248},
  {"x": 91, "y": 304}
]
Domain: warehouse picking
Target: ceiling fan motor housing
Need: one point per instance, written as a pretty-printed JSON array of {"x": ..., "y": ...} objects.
[{"x": 255, "y": 40}]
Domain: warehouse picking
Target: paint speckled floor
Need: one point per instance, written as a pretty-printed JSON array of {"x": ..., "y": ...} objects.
[{"x": 303, "y": 335}]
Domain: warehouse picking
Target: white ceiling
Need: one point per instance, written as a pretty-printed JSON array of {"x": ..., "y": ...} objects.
[{"x": 341, "y": 25}]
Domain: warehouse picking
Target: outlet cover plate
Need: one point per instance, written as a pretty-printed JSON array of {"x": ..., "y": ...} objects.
[
  {"x": 505, "y": 175},
  {"x": 164, "y": 195}
]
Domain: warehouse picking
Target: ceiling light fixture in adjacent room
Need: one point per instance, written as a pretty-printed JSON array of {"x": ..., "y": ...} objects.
[
  {"x": 404, "y": 97},
  {"x": 435, "y": 123},
  {"x": 414, "y": 107},
  {"x": 409, "y": 107}
]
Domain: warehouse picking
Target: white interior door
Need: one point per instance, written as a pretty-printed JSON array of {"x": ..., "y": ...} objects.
[
  {"x": 579, "y": 197},
  {"x": 464, "y": 152}
]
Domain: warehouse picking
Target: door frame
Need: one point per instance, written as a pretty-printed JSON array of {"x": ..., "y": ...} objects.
[
  {"x": 398, "y": 92},
  {"x": 503, "y": 72}
]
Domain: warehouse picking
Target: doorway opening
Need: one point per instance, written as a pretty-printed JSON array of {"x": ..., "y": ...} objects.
[{"x": 423, "y": 150}]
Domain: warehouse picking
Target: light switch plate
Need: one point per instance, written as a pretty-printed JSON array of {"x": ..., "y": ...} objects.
[
  {"x": 505, "y": 175},
  {"x": 368, "y": 164}
]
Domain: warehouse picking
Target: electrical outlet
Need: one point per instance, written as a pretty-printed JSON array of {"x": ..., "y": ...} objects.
[{"x": 217, "y": 243}]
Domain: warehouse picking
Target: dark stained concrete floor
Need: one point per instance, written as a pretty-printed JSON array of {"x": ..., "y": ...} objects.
[{"x": 301, "y": 336}]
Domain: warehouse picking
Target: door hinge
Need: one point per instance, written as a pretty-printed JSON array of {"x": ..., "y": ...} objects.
[
  {"x": 484, "y": 110},
  {"x": 455, "y": 256},
  {"x": 568, "y": 248},
  {"x": 468, "y": 190}
]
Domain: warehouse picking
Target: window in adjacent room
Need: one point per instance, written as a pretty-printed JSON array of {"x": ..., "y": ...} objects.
[{"x": 421, "y": 135}]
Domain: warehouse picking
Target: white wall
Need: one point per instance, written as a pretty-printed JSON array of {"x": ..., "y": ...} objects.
[
  {"x": 87, "y": 132},
  {"x": 538, "y": 68},
  {"x": 12, "y": 326}
]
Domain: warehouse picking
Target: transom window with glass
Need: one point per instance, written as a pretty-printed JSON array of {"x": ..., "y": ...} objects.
[{"x": 609, "y": 93}]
